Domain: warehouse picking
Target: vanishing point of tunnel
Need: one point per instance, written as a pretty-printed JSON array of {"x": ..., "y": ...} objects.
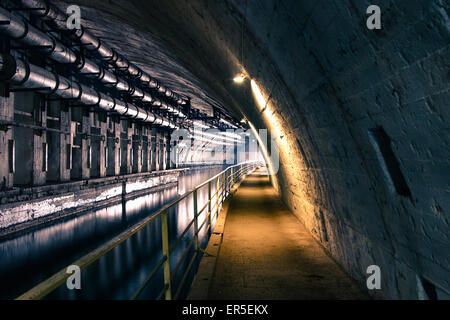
[{"x": 225, "y": 149}]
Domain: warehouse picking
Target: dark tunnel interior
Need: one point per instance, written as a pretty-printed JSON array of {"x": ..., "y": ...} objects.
[{"x": 359, "y": 117}]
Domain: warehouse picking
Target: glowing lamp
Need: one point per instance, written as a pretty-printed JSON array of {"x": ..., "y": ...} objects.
[{"x": 239, "y": 78}]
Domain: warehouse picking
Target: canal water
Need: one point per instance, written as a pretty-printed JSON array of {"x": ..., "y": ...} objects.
[{"x": 28, "y": 259}]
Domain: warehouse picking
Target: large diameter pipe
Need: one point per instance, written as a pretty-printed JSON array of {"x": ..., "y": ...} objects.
[
  {"x": 31, "y": 76},
  {"x": 25, "y": 33},
  {"x": 19, "y": 29},
  {"x": 22, "y": 31},
  {"x": 93, "y": 43},
  {"x": 45, "y": 11}
]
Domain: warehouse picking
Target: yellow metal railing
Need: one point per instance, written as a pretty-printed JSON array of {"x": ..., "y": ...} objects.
[{"x": 225, "y": 180}]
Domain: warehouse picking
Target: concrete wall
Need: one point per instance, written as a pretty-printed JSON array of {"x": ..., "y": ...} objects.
[
  {"x": 6, "y": 142},
  {"x": 338, "y": 82},
  {"x": 45, "y": 140}
]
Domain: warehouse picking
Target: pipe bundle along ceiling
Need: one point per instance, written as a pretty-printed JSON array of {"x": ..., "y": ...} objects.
[
  {"x": 136, "y": 84},
  {"x": 31, "y": 76}
]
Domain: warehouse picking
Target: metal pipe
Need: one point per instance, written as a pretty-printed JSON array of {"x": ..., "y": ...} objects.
[
  {"x": 19, "y": 29},
  {"x": 22, "y": 31},
  {"x": 30, "y": 76},
  {"x": 94, "y": 44}
]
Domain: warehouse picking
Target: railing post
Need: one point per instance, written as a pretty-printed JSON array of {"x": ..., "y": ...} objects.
[
  {"x": 209, "y": 204},
  {"x": 197, "y": 245},
  {"x": 225, "y": 184},
  {"x": 223, "y": 188},
  {"x": 165, "y": 248},
  {"x": 232, "y": 178},
  {"x": 217, "y": 194}
]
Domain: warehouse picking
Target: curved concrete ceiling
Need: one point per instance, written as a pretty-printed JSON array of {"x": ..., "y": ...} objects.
[{"x": 162, "y": 39}]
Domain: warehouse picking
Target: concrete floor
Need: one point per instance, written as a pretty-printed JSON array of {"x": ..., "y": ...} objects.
[{"x": 267, "y": 253}]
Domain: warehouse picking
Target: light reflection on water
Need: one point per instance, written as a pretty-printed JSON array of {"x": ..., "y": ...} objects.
[{"x": 31, "y": 258}]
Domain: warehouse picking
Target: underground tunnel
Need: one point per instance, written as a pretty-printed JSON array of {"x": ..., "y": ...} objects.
[{"x": 225, "y": 149}]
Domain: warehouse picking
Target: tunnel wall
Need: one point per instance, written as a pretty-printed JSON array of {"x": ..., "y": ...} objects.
[{"x": 362, "y": 122}]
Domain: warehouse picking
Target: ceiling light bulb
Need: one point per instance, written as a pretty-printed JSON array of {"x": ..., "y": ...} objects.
[{"x": 239, "y": 78}]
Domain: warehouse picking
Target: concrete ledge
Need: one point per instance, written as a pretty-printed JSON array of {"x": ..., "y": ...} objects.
[
  {"x": 19, "y": 228},
  {"x": 37, "y": 192}
]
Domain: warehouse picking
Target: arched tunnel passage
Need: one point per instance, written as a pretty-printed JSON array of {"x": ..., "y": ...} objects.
[{"x": 356, "y": 120}]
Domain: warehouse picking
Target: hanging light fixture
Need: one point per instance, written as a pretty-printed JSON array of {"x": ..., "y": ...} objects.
[{"x": 239, "y": 78}]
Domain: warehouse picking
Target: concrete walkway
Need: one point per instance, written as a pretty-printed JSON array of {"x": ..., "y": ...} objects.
[{"x": 266, "y": 253}]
